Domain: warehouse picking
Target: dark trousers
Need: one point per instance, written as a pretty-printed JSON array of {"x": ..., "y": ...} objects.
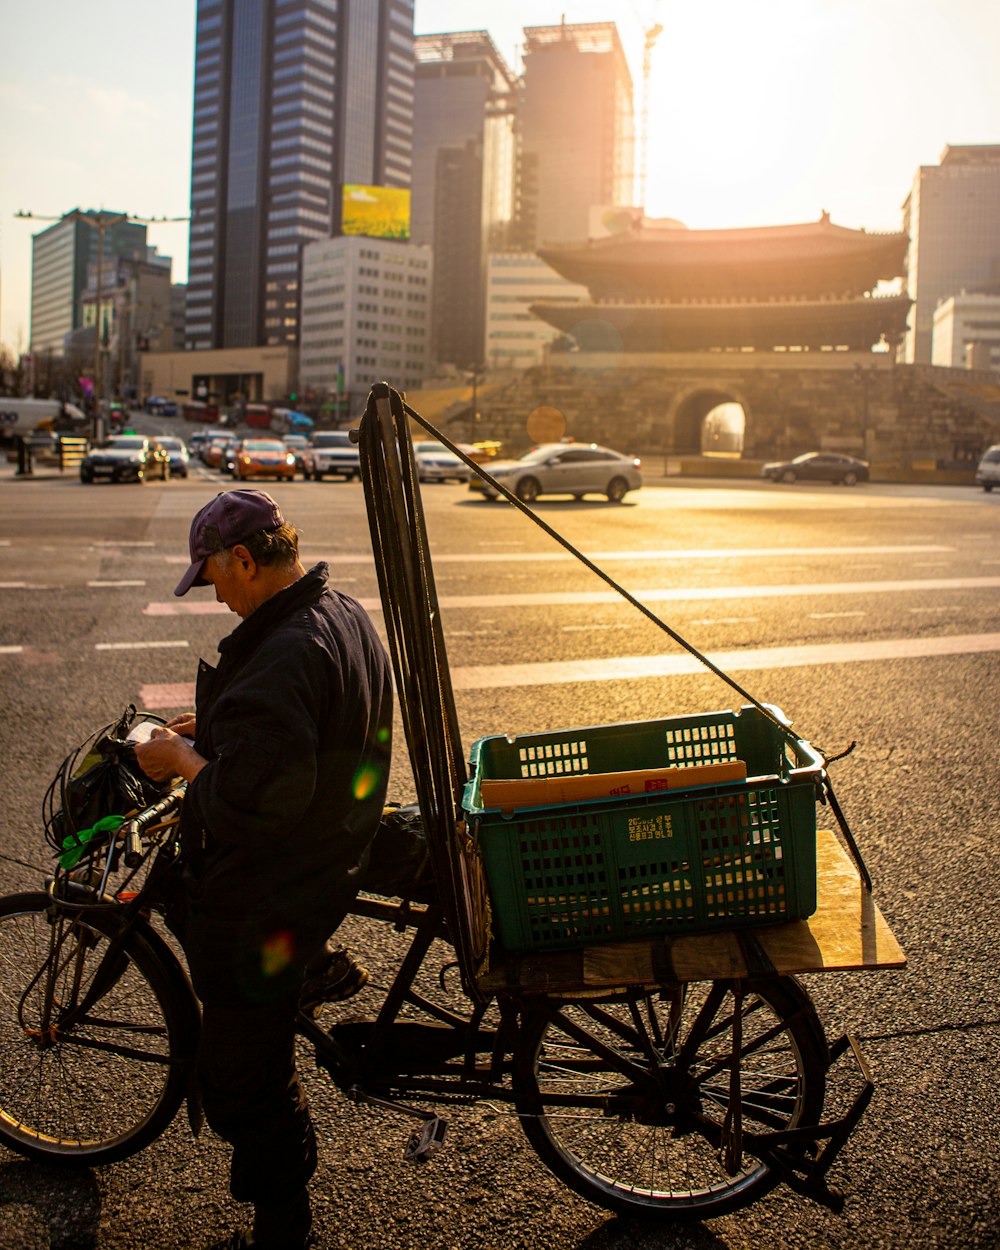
[
  {"x": 253, "y": 1099},
  {"x": 247, "y": 971}
]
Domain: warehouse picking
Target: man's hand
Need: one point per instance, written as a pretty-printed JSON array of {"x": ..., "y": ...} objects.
[
  {"x": 183, "y": 724},
  {"x": 168, "y": 754}
]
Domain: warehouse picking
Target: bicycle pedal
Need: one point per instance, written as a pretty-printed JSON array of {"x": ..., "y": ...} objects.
[{"x": 426, "y": 1140}]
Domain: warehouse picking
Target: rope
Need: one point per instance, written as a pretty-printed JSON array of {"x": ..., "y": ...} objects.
[{"x": 605, "y": 577}]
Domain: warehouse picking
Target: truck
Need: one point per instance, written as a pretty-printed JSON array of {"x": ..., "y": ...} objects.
[{"x": 22, "y": 417}]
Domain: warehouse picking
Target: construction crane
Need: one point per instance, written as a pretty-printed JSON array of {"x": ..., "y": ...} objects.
[
  {"x": 100, "y": 219},
  {"x": 650, "y": 37}
]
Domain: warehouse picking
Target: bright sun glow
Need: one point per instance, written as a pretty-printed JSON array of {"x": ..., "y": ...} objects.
[{"x": 753, "y": 115}]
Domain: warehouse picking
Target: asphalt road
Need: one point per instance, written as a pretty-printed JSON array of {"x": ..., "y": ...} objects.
[{"x": 867, "y": 614}]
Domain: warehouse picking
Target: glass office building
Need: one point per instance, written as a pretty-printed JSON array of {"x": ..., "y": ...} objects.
[
  {"x": 60, "y": 257},
  {"x": 463, "y": 179},
  {"x": 293, "y": 99}
]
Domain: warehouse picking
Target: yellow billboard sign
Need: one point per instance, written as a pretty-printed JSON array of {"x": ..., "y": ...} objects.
[{"x": 378, "y": 212}]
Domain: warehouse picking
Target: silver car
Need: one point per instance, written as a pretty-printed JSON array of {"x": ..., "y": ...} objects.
[
  {"x": 988, "y": 472},
  {"x": 435, "y": 463},
  {"x": 575, "y": 469}
]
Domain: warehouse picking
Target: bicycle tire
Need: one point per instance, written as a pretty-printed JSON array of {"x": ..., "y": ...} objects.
[
  {"x": 610, "y": 1092},
  {"x": 101, "y": 1087}
]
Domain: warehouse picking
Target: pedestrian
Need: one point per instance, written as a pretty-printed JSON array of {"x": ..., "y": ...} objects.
[{"x": 286, "y": 758}]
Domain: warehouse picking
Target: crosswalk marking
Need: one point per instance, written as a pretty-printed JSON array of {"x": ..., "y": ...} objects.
[
  {"x": 673, "y": 594},
  {"x": 639, "y": 667}
]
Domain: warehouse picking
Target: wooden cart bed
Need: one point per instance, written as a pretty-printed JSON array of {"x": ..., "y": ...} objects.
[{"x": 846, "y": 933}]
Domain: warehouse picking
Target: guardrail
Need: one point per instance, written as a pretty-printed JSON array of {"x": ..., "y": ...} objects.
[{"x": 71, "y": 452}]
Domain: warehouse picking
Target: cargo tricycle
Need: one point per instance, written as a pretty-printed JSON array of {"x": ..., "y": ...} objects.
[{"x": 605, "y": 927}]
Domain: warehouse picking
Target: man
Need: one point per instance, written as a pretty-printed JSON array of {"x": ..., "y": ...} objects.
[{"x": 287, "y": 762}]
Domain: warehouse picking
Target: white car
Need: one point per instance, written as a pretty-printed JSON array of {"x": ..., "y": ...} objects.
[
  {"x": 988, "y": 473},
  {"x": 331, "y": 452},
  {"x": 575, "y": 469},
  {"x": 435, "y": 463}
]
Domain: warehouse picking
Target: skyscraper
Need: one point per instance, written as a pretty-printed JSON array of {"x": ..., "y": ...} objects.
[
  {"x": 576, "y": 130},
  {"x": 60, "y": 257},
  {"x": 293, "y": 99},
  {"x": 463, "y": 179},
  {"x": 952, "y": 216}
]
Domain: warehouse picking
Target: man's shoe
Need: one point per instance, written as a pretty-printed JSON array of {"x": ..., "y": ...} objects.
[
  {"x": 243, "y": 1239},
  {"x": 333, "y": 981}
]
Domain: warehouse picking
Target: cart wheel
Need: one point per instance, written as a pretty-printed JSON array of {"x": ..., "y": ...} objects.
[{"x": 625, "y": 1099}]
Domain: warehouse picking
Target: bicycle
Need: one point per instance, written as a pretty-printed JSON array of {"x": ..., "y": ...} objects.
[{"x": 666, "y": 1102}]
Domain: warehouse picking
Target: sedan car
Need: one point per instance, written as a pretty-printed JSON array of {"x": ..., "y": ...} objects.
[
  {"x": 179, "y": 456},
  {"x": 125, "y": 458},
  {"x": 216, "y": 449},
  {"x": 435, "y": 463},
  {"x": 263, "y": 457},
  {"x": 818, "y": 466},
  {"x": 575, "y": 469}
]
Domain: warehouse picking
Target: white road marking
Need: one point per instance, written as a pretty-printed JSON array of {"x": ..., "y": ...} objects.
[
  {"x": 630, "y": 668},
  {"x": 11, "y": 650},
  {"x": 110, "y": 584},
  {"x": 831, "y": 616},
  {"x": 593, "y": 598},
  {"x": 135, "y": 646},
  {"x": 725, "y": 620},
  {"x": 692, "y": 553},
  {"x": 638, "y": 667},
  {"x": 13, "y": 585}
]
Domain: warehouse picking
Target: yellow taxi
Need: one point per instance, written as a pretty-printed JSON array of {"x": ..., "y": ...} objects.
[{"x": 262, "y": 457}]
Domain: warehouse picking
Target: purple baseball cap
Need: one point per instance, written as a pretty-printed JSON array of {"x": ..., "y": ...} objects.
[{"x": 234, "y": 515}]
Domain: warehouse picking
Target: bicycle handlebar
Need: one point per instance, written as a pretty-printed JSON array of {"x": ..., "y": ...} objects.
[{"x": 132, "y": 829}]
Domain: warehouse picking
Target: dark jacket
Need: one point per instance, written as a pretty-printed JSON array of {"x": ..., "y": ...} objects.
[{"x": 296, "y": 724}]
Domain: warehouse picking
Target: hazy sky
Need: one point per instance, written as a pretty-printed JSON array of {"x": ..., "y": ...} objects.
[{"x": 761, "y": 112}]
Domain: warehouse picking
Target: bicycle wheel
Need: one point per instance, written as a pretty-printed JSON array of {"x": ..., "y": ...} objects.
[
  {"x": 625, "y": 1099},
  {"x": 95, "y": 1054}
]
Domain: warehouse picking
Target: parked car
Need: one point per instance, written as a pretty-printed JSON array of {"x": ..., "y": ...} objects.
[
  {"x": 332, "y": 452},
  {"x": 988, "y": 472},
  {"x": 435, "y": 463},
  {"x": 161, "y": 406},
  {"x": 575, "y": 469},
  {"x": 263, "y": 457},
  {"x": 125, "y": 458},
  {"x": 178, "y": 454},
  {"x": 818, "y": 466}
]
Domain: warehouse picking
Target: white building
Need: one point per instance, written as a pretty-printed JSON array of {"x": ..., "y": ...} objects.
[
  {"x": 365, "y": 315},
  {"x": 967, "y": 332},
  {"x": 952, "y": 216},
  {"x": 515, "y": 338}
]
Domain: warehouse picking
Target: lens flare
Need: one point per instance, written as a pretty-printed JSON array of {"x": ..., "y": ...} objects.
[
  {"x": 276, "y": 953},
  {"x": 366, "y": 780}
]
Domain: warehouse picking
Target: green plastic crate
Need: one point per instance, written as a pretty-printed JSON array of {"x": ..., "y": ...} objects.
[{"x": 710, "y": 857}]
